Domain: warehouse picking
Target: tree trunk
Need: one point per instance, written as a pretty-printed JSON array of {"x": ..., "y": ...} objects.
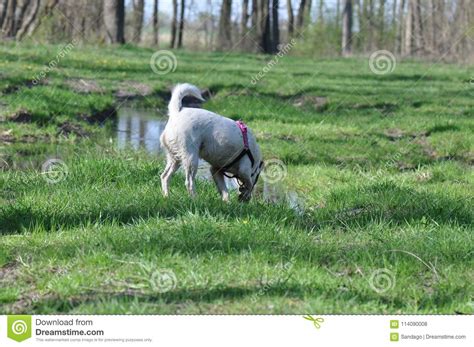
[
  {"x": 347, "y": 28},
  {"x": 155, "y": 23},
  {"x": 307, "y": 11},
  {"x": 408, "y": 44},
  {"x": 114, "y": 20},
  {"x": 291, "y": 19},
  {"x": 401, "y": 10},
  {"x": 275, "y": 40},
  {"x": 181, "y": 24},
  {"x": 138, "y": 9},
  {"x": 174, "y": 24},
  {"x": 418, "y": 27},
  {"x": 371, "y": 26},
  {"x": 43, "y": 13},
  {"x": 394, "y": 15},
  {"x": 381, "y": 21},
  {"x": 9, "y": 21},
  {"x": 244, "y": 18},
  {"x": 29, "y": 20},
  {"x": 224, "y": 37},
  {"x": 300, "y": 16},
  {"x": 264, "y": 27},
  {"x": 19, "y": 15},
  {"x": 3, "y": 11}
]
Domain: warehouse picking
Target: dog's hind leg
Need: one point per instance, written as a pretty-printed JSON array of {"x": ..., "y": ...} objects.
[
  {"x": 218, "y": 178},
  {"x": 190, "y": 169},
  {"x": 171, "y": 166}
]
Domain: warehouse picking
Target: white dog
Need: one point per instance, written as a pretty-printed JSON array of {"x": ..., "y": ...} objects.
[{"x": 193, "y": 133}]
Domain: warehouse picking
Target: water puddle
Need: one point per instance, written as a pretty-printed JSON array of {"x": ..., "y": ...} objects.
[{"x": 139, "y": 129}]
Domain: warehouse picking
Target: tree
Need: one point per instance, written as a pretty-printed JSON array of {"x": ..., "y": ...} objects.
[
  {"x": 275, "y": 40},
  {"x": 9, "y": 21},
  {"x": 26, "y": 25},
  {"x": 347, "y": 28},
  {"x": 155, "y": 23},
  {"x": 244, "y": 18},
  {"x": 138, "y": 10},
  {"x": 181, "y": 24},
  {"x": 264, "y": 33},
  {"x": 408, "y": 38},
  {"x": 399, "y": 42},
  {"x": 418, "y": 28},
  {"x": 291, "y": 19},
  {"x": 224, "y": 38},
  {"x": 174, "y": 24},
  {"x": 3, "y": 10},
  {"x": 381, "y": 21},
  {"x": 301, "y": 14},
  {"x": 114, "y": 20}
]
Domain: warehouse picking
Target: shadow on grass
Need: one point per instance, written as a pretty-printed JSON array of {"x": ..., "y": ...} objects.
[
  {"x": 179, "y": 298},
  {"x": 346, "y": 208}
]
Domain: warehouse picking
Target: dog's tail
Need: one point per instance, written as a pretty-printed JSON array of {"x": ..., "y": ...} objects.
[{"x": 179, "y": 92}]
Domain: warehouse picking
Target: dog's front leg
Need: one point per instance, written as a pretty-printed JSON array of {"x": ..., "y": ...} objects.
[{"x": 218, "y": 178}]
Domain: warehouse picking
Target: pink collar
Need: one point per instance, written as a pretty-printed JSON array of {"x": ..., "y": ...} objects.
[{"x": 243, "y": 129}]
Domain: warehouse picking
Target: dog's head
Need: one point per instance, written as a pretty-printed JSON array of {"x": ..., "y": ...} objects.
[{"x": 245, "y": 192}]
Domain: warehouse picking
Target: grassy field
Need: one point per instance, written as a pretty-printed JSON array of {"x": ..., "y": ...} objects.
[{"x": 381, "y": 165}]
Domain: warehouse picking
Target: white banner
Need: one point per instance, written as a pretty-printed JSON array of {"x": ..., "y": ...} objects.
[{"x": 289, "y": 330}]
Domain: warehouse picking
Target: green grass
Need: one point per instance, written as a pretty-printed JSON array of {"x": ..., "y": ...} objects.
[{"x": 383, "y": 168}]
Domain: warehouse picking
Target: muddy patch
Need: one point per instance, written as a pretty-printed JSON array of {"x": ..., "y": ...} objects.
[
  {"x": 13, "y": 88},
  {"x": 395, "y": 134},
  {"x": 428, "y": 150},
  {"x": 99, "y": 116},
  {"x": 132, "y": 89},
  {"x": 68, "y": 128},
  {"x": 20, "y": 116},
  {"x": 385, "y": 108},
  {"x": 9, "y": 273},
  {"x": 317, "y": 103},
  {"x": 6, "y": 137},
  {"x": 84, "y": 86}
]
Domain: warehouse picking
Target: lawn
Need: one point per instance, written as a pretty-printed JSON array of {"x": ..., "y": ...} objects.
[{"x": 380, "y": 165}]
